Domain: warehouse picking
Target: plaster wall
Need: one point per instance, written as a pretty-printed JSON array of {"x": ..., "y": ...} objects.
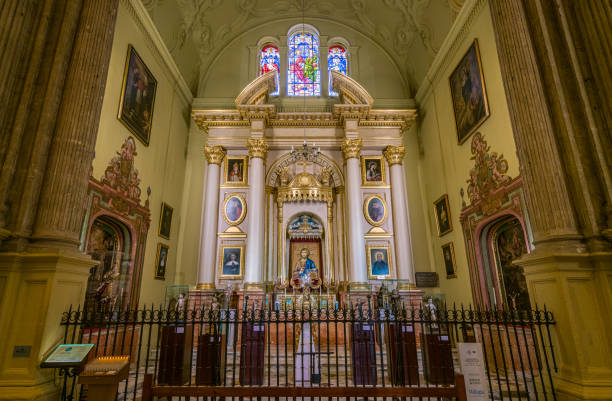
[
  {"x": 443, "y": 165},
  {"x": 162, "y": 164}
]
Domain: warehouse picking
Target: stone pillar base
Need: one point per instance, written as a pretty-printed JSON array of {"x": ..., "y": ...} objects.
[
  {"x": 577, "y": 289},
  {"x": 202, "y": 299},
  {"x": 255, "y": 297},
  {"x": 412, "y": 298},
  {"x": 36, "y": 288}
]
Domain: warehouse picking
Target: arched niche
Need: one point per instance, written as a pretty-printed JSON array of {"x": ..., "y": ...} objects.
[{"x": 289, "y": 164}]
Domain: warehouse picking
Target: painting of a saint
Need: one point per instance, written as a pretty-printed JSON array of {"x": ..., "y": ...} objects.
[
  {"x": 372, "y": 170},
  {"x": 468, "y": 94},
  {"x": 305, "y": 269},
  {"x": 375, "y": 210},
  {"x": 161, "y": 261},
  {"x": 448, "y": 251},
  {"x": 137, "y": 97},
  {"x": 442, "y": 215},
  {"x": 378, "y": 261},
  {"x": 235, "y": 170},
  {"x": 232, "y": 261},
  {"x": 510, "y": 245},
  {"x": 234, "y": 209},
  {"x": 165, "y": 220}
]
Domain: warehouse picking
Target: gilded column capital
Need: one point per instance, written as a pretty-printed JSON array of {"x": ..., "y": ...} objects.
[
  {"x": 257, "y": 147},
  {"x": 351, "y": 148},
  {"x": 394, "y": 154},
  {"x": 214, "y": 154}
]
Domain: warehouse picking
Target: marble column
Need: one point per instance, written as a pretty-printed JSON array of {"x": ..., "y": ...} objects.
[
  {"x": 401, "y": 220},
  {"x": 356, "y": 245},
  {"x": 210, "y": 211},
  {"x": 255, "y": 239}
]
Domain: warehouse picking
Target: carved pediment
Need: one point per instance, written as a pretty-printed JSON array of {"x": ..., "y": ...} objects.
[
  {"x": 256, "y": 93},
  {"x": 351, "y": 92}
]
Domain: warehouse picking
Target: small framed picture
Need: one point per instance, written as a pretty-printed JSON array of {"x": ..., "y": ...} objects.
[
  {"x": 372, "y": 170},
  {"x": 379, "y": 261},
  {"x": 468, "y": 94},
  {"x": 375, "y": 210},
  {"x": 442, "y": 215},
  {"x": 234, "y": 209},
  {"x": 161, "y": 261},
  {"x": 448, "y": 251},
  {"x": 235, "y": 173},
  {"x": 137, "y": 97},
  {"x": 231, "y": 262},
  {"x": 165, "y": 220}
]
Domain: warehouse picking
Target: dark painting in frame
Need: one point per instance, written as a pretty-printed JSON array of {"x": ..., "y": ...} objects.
[
  {"x": 444, "y": 222},
  {"x": 468, "y": 94},
  {"x": 161, "y": 261},
  {"x": 137, "y": 97},
  {"x": 165, "y": 220}
]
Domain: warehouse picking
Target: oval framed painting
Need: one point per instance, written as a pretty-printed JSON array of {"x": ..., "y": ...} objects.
[
  {"x": 375, "y": 210},
  {"x": 234, "y": 209}
]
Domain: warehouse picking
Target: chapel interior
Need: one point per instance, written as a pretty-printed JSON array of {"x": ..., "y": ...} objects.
[{"x": 429, "y": 154}]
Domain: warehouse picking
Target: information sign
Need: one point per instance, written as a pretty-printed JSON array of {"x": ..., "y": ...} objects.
[
  {"x": 67, "y": 355},
  {"x": 472, "y": 366}
]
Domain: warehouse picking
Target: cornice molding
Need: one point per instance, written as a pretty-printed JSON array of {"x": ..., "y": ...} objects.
[
  {"x": 140, "y": 15},
  {"x": 458, "y": 32}
]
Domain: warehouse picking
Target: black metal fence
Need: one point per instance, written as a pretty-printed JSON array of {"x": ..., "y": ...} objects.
[{"x": 307, "y": 347}]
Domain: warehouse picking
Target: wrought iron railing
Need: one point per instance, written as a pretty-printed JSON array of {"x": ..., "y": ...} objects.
[{"x": 326, "y": 348}]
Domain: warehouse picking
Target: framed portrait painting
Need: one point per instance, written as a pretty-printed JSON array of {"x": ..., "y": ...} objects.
[
  {"x": 165, "y": 220},
  {"x": 235, "y": 173},
  {"x": 375, "y": 210},
  {"x": 448, "y": 252},
  {"x": 161, "y": 261},
  {"x": 137, "y": 97},
  {"x": 231, "y": 262},
  {"x": 442, "y": 216},
  {"x": 468, "y": 93},
  {"x": 234, "y": 209},
  {"x": 379, "y": 261},
  {"x": 372, "y": 170}
]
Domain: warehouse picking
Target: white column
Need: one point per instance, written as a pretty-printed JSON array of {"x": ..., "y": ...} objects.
[
  {"x": 255, "y": 233},
  {"x": 208, "y": 236},
  {"x": 357, "y": 269},
  {"x": 401, "y": 219}
]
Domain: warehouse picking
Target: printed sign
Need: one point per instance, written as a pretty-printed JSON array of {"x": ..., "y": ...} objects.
[
  {"x": 472, "y": 366},
  {"x": 67, "y": 355}
]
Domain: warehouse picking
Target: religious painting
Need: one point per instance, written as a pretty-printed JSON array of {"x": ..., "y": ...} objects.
[
  {"x": 165, "y": 220},
  {"x": 305, "y": 261},
  {"x": 372, "y": 170},
  {"x": 379, "y": 261},
  {"x": 234, "y": 209},
  {"x": 137, "y": 97},
  {"x": 375, "y": 210},
  {"x": 469, "y": 97},
  {"x": 235, "y": 171},
  {"x": 448, "y": 251},
  {"x": 509, "y": 245},
  {"x": 442, "y": 215},
  {"x": 231, "y": 262},
  {"x": 161, "y": 261}
]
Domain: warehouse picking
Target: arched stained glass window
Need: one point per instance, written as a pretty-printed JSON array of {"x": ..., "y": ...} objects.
[
  {"x": 304, "y": 74},
  {"x": 336, "y": 60},
  {"x": 269, "y": 60}
]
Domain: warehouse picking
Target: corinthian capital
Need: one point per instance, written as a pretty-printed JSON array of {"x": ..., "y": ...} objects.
[
  {"x": 394, "y": 154},
  {"x": 214, "y": 154},
  {"x": 351, "y": 148},
  {"x": 257, "y": 147}
]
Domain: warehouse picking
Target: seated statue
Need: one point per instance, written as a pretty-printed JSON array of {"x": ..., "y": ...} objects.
[{"x": 305, "y": 271}]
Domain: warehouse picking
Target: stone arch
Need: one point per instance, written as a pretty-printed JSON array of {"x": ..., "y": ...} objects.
[{"x": 272, "y": 178}]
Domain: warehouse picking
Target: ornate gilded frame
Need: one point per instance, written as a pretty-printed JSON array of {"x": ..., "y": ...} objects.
[
  {"x": 238, "y": 276},
  {"x": 157, "y": 276},
  {"x": 233, "y": 184},
  {"x": 367, "y": 215},
  {"x": 443, "y": 198},
  {"x": 369, "y": 248},
  {"x": 383, "y": 173},
  {"x": 244, "y": 209},
  {"x": 452, "y": 252}
]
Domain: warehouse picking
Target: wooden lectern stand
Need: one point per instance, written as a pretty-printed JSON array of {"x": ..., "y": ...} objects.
[{"x": 102, "y": 376}]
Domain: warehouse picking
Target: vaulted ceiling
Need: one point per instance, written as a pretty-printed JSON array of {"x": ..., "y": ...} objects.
[{"x": 409, "y": 31}]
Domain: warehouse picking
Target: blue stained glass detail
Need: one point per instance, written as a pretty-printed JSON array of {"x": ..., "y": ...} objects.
[
  {"x": 336, "y": 60},
  {"x": 269, "y": 60},
  {"x": 304, "y": 73}
]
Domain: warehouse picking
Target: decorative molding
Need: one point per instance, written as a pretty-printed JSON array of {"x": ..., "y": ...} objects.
[
  {"x": 457, "y": 34},
  {"x": 351, "y": 148},
  {"x": 140, "y": 15},
  {"x": 214, "y": 154},
  {"x": 394, "y": 154},
  {"x": 351, "y": 92},
  {"x": 257, "y": 147}
]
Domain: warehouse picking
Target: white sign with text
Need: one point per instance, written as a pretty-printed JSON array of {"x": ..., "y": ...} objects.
[{"x": 472, "y": 366}]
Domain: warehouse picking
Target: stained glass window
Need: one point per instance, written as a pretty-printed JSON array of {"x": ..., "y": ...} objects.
[
  {"x": 304, "y": 74},
  {"x": 336, "y": 60},
  {"x": 269, "y": 60}
]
